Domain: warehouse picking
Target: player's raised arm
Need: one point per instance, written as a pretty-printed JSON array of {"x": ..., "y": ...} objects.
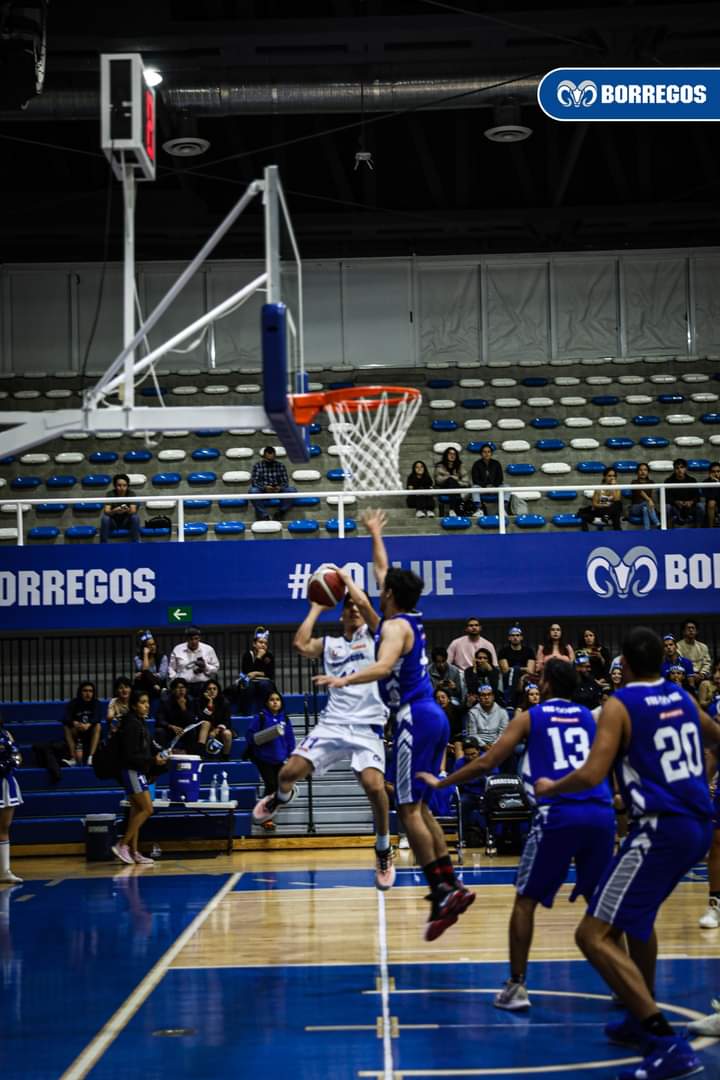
[
  {"x": 516, "y": 732},
  {"x": 375, "y": 521},
  {"x": 394, "y": 642},
  {"x": 612, "y": 728},
  {"x": 304, "y": 642}
]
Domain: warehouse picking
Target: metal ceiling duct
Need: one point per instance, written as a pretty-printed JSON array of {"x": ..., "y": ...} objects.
[{"x": 230, "y": 99}]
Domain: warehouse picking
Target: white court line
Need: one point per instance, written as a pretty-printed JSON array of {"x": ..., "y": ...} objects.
[
  {"x": 113, "y": 1027},
  {"x": 384, "y": 988}
]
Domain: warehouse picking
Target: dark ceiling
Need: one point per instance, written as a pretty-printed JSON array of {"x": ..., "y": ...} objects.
[{"x": 271, "y": 82}]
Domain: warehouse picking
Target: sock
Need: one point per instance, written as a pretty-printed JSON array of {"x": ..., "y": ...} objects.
[
  {"x": 4, "y": 856},
  {"x": 447, "y": 870},
  {"x": 517, "y": 978},
  {"x": 382, "y": 842},
  {"x": 657, "y": 1025},
  {"x": 434, "y": 875},
  {"x": 283, "y": 796}
]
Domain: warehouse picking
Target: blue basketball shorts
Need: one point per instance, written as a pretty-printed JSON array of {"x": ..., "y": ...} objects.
[
  {"x": 654, "y": 856},
  {"x": 421, "y": 736},
  {"x": 133, "y": 781},
  {"x": 583, "y": 831}
]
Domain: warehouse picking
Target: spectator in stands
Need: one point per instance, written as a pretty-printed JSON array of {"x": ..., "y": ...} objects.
[
  {"x": 194, "y": 661},
  {"x": 257, "y": 672},
  {"x": 712, "y": 494},
  {"x": 472, "y": 794},
  {"x": 597, "y": 654},
  {"x": 445, "y": 676},
  {"x": 215, "y": 734},
  {"x": 461, "y": 650},
  {"x": 151, "y": 669},
  {"x": 454, "y": 718},
  {"x": 175, "y": 714},
  {"x": 588, "y": 691},
  {"x": 615, "y": 680},
  {"x": 695, "y": 651},
  {"x": 10, "y": 797},
  {"x": 269, "y": 476},
  {"x": 486, "y": 473},
  {"x": 606, "y": 505},
  {"x": 420, "y": 480},
  {"x": 644, "y": 501},
  {"x": 711, "y": 697},
  {"x": 82, "y": 725},
  {"x": 139, "y": 764},
  {"x": 685, "y": 507},
  {"x": 676, "y": 673},
  {"x": 120, "y": 515},
  {"x": 673, "y": 658},
  {"x": 486, "y": 720},
  {"x": 119, "y": 703},
  {"x": 530, "y": 696},
  {"x": 451, "y": 473},
  {"x": 481, "y": 673},
  {"x": 270, "y": 742},
  {"x": 554, "y": 645},
  {"x": 515, "y": 660}
]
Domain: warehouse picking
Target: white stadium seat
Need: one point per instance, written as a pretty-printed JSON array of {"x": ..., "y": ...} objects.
[
  {"x": 171, "y": 455},
  {"x": 248, "y": 388},
  {"x": 216, "y": 389},
  {"x": 573, "y": 402},
  {"x": 34, "y": 459},
  {"x": 695, "y": 376},
  {"x": 540, "y": 402},
  {"x": 612, "y": 421},
  {"x": 69, "y": 457},
  {"x": 578, "y": 421},
  {"x": 531, "y": 363},
  {"x": 471, "y": 384},
  {"x": 243, "y": 432},
  {"x": 26, "y": 395},
  {"x": 477, "y": 425},
  {"x": 657, "y": 359},
  {"x": 109, "y": 435},
  {"x": 680, "y": 418},
  {"x": 137, "y": 479},
  {"x": 689, "y": 440},
  {"x": 528, "y": 494},
  {"x": 78, "y": 436},
  {"x": 556, "y": 468},
  {"x": 441, "y": 403},
  {"x": 178, "y": 434},
  {"x": 333, "y": 450},
  {"x": 663, "y": 378},
  {"x": 567, "y": 380},
  {"x": 60, "y": 392},
  {"x": 639, "y": 399},
  {"x": 236, "y": 476},
  {"x": 185, "y": 391},
  {"x": 8, "y": 534},
  {"x": 303, "y": 476},
  {"x": 508, "y": 403},
  {"x": 334, "y": 500},
  {"x": 266, "y": 527},
  {"x": 511, "y": 424},
  {"x": 236, "y": 453},
  {"x": 563, "y": 361},
  {"x": 516, "y": 446},
  {"x": 584, "y": 444},
  {"x": 160, "y": 504},
  {"x": 660, "y": 465},
  {"x": 630, "y": 380},
  {"x": 314, "y": 387},
  {"x": 144, "y": 435},
  {"x": 704, "y": 398},
  {"x": 714, "y": 440},
  {"x": 11, "y": 508},
  {"x": 598, "y": 380},
  {"x": 467, "y": 364},
  {"x": 441, "y": 447},
  {"x": 503, "y": 382}
]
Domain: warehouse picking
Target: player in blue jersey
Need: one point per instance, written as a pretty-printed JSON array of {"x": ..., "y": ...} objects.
[
  {"x": 557, "y": 734},
  {"x": 652, "y": 731},
  {"x": 10, "y": 797},
  {"x": 421, "y": 729}
]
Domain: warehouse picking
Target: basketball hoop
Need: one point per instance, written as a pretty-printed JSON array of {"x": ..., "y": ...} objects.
[{"x": 369, "y": 424}]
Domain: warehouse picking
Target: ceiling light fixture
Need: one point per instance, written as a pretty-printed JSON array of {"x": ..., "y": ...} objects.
[
  {"x": 506, "y": 127},
  {"x": 186, "y": 146}
]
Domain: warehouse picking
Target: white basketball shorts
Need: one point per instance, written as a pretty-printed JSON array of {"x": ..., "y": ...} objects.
[{"x": 327, "y": 744}]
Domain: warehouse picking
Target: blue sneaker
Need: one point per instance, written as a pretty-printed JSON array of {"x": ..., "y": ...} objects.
[
  {"x": 628, "y": 1032},
  {"x": 670, "y": 1058}
]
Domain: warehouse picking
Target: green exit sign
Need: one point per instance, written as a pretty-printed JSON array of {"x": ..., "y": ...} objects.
[{"x": 180, "y": 613}]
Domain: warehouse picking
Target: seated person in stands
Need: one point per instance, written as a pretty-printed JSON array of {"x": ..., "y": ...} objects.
[
  {"x": 139, "y": 766},
  {"x": 676, "y": 673},
  {"x": 486, "y": 473},
  {"x": 151, "y": 669},
  {"x": 615, "y": 679},
  {"x": 454, "y": 718},
  {"x": 269, "y": 755},
  {"x": 120, "y": 515},
  {"x": 257, "y": 673},
  {"x": 554, "y": 646},
  {"x": 119, "y": 703},
  {"x": 269, "y": 477},
  {"x": 446, "y": 676},
  {"x": 420, "y": 480},
  {"x": 450, "y": 473},
  {"x": 530, "y": 695},
  {"x": 695, "y": 651},
  {"x": 644, "y": 501},
  {"x": 82, "y": 725},
  {"x": 480, "y": 674},
  {"x": 487, "y": 720},
  {"x": 597, "y": 654},
  {"x": 472, "y": 794},
  {"x": 194, "y": 661},
  {"x": 215, "y": 734},
  {"x": 176, "y": 713},
  {"x": 588, "y": 691},
  {"x": 672, "y": 658},
  {"x": 606, "y": 505},
  {"x": 710, "y": 700},
  {"x": 515, "y": 660},
  {"x": 685, "y": 505},
  {"x": 712, "y": 495}
]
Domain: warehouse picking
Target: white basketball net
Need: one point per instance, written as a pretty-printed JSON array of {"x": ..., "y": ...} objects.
[{"x": 369, "y": 439}]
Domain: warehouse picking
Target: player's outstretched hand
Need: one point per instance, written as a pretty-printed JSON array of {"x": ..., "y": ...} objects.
[
  {"x": 374, "y": 520},
  {"x": 428, "y": 778},
  {"x": 543, "y": 786},
  {"x": 328, "y": 680}
]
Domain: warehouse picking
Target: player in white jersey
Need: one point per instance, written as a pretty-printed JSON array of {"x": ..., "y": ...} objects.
[{"x": 351, "y": 727}]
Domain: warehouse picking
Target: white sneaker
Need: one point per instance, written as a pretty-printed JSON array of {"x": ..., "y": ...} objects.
[
  {"x": 419, "y": 513},
  {"x": 451, "y": 513},
  {"x": 710, "y": 920},
  {"x": 384, "y": 870},
  {"x": 141, "y": 859},
  {"x": 69, "y": 762},
  {"x": 429, "y": 513},
  {"x": 707, "y": 1025},
  {"x": 404, "y": 843},
  {"x": 123, "y": 853},
  {"x": 8, "y": 878},
  {"x": 89, "y": 760},
  {"x": 513, "y": 996}
]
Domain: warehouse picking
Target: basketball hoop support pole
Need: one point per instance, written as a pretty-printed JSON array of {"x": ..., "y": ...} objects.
[{"x": 129, "y": 196}]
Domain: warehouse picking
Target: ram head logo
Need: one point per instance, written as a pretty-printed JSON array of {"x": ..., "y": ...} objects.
[
  {"x": 576, "y": 96},
  {"x": 635, "y": 573}
]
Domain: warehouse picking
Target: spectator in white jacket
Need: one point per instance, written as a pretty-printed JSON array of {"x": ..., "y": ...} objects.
[
  {"x": 193, "y": 661},
  {"x": 487, "y": 720}
]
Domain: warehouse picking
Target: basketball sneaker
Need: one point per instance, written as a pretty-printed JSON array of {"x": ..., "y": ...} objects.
[
  {"x": 446, "y": 909},
  {"x": 8, "y": 878},
  {"x": 268, "y": 806},
  {"x": 513, "y": 996},
  {"x": 710, "y": 920},
  {"x": 707, "y": 1025},
  {"x": 628, "y": 1032},
  {"x": 142, "y": 860},
  {"x": 384, "y": 869},
  {"x": 669, "y": 1058},
  {"x": 122, "y": 852}
]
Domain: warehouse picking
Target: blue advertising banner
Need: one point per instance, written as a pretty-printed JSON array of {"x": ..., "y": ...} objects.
[
  {"x": 634, "y": 574},
  {"x": 647, "y": 94}
]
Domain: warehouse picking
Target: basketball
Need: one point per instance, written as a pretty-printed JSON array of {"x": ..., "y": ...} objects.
[{"x": 326, "y": 587}]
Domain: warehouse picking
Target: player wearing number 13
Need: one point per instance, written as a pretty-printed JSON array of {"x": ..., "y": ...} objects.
[{"x": 652, "y": 731}]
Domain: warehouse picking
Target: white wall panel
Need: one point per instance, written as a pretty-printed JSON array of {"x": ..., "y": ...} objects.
[
  {"x": 585, "y": 307},
  {"x": 517, "y": 316},
  {"x": 448, "y": 313},
  {"x": 654, "y": 296},
  {"x": 705, "y": 278},
  {"x": 376, "y": 314},
  {"x": 38, "y": 324}
]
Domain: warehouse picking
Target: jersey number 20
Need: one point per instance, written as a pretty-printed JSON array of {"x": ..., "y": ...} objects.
[
  {"x": 571, "y": 746},
  {"x": 681, "y": 755}
]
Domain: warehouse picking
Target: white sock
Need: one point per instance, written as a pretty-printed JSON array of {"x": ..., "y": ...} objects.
[
  {"x": 4, "y": 856},
  {"x": 382, "y": 843},
  {"x": 283, "y": 796}
]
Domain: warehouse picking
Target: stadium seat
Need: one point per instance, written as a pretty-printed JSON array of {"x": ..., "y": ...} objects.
[
  {"x": 198, "y": 504},
  {"x": 710, "y": 418},
  {"x": 471, "y": 384},
  {"x": 619, "y": 442},
  {"x": 60, "y": 392},
  {"x": 81, "y": 436},
  {"x": 549, "y": 445},
  {"x": 476, "y": 445},
  {"x": 681, "y": 419},
  {"x": 178, "y": 433},
  {"x": 186, "y": 390},
  {"x": 315, "y": 451},
  {"x": 475, "y": 403},
  {"x": 25, "y": 483},
  {"x": 566, "y": 380},
  {"x": 439, "y": 384},
  {"x": 333, "y": 450},
  {"x": 303, "y": 525},
  {"x": 80, "y": 532},
  {"x": 43, "y": 532},
  {"x": 663, "y": 379},
  {"x": 644, "y": 420},
  {"x": 573, "y": 402},
  {"x": 477, "y": 425},
  {"x": 314, "y": 428},
  {"x": 205, "y": 453},
  {"x": 584, "y": 444},
  {"x": 564, "y": 521},
  {"x": 88, "y": 508},
  {"x": 348, "y": 500},
  {"x": 534, "y": 380},
  {"x": 216, "y": 389},
  {"x": 563, "y": 495},
  {"x": 195, "y": 528},
  {"x": 651, "y": 442},
  {"x": 336, "y": 475},
  {"x": 578, "y": 421},
  {"x": 488, "y": 521},
  {"x": 555, "y": 468},
  {"x": 688, "y": 441},
  {"x": 266, "y": 527},
  {"x": 704, "y": 397},
  {"x": 307, "y": 500},
  {"x": 530, "y": 521},
  {"x": 598, "y": 380},
  {"x": 605, "y": 400},
  {"x": 248, "y": 388},
  {"x": 540, "y": 402},
  {"x": 671, "y": 399},
  {"x": 444, "y": 425},
  {"x": 137, "y": 457},
  {"x": 238, "y": 453},
  {"x": 304, "y": 476},
  {"x": 590, "y": 467},
  {"x": 69, "y": 457},
  {"x": 103, "y": 457},
  {"x": 503, "y": 382},
  {"x": 441, "y": 447},
  {"x": 171, "y": 455},
  {"x": 26, "y": 395},
  {"x": 8, "y": 533},
  {"x": 201, "y": 478},
  {"x": 631, "y": 380},
  {"x": 58, "y": 482},
  {"x": 332, "y": 525},
  {"x": 625, "y": 466},
  {"x": 441, "y": 403},
  {"x": 51, "y": 508},
  {"x": 508, "y": 403},
  {"x": 698, "y": 464},
  {"x": 34, "y": 459},
  {"x": 232, "y": 504},
  {"x": 515, "y": 446},
  {"x": 638, "y": 399},
  {"x": 612, "y": 421},
  {"x": 96, "y": 480},
  {"x": 660, "y": 465},
  {"x": 137, "y": 479},
  {"x": 229, "y": 528},
  {"x": 149, "y": 533},
  {"x": 456, "y": 523},
  {"x": 545, "y": 422},
  {"x": 695, "y": 377},
  {"x": 166, "y": 479},
  {"x": 519, "y": 468},
  {"x": 511, "y": 423}
]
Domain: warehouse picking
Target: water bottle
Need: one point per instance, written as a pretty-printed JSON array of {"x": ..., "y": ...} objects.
[
  {"x": 213, "y": 796},
  {"x": 224, "y": 789},
  {"x": 156, "y": 851}
]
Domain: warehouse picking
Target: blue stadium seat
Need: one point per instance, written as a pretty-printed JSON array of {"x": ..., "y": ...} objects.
[
  {"x": 315, "y": 451},
  {"x": 25, "y": 483},
  {"x": 654, "y": 442},
  {"x": 562, "y": 496},
  {"x": 96, "y": 480},
  {"x": 152, "y": 391},
  {"x": 43, "y": 532},
  {"x": 88, "y": 507},
  {"x": 59, "y": 481},
  {"x": 306, "y": 525},
  {"x": 205, "y": 453},
  {"x": 119, "y": 534},
  {"x": 233, "y": 504},
  {"x": 475, "y": 403},
  {"x": 643, "y": 420},
  {"x": 456, "y": 523},
  {"x": 9, "y": 460},
  {"x": 314, "y": 428},
  {"x": 530, "y": 521},
  {"x": 444, "y": 425},
  {"x": 520, "y": 468},
  {"x": 195, "y": 528},
  {"x": 698, "y": 464},
  {"x": 147, "y": 533},
  {"x": 80, "y": 532},
  {"x": 488, "y": 521},
  {"x": 476, "y": 445},
  {"x": 710, "y": 418},
  {"x": 103, "y": 457},
  {"x": 671, "y": 399},
  {"x": 209, "y": 432},
  {"x": 198, "y": 504},
  {"x": 336, "y": 475},
  {"x": 307, "y": 500},
  {"x": 332, "y": 525},
  {"x": 229, "y": 528},
  {"x": 549, "y": 444},
  {"x": 166, "y": 479},
  {"x": 604, "y": 400},
  {"x": 343, "y": 385},
  {"x": 137, "y": 457},
  {"x": 535, "y": 380},
  {"x": 544, "y": 422},
  {"x": 51, "y": 508},
  {"x": 590, "y": 467},
  {"x": 202, "y": 479},
  {"x": 619, "y": 442},
  {"x": 490, "y": 496},
  {"x": 625, "y": 466},
  {"x": 439, "y": 384},
  {"x": 563, "y": 521}
]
